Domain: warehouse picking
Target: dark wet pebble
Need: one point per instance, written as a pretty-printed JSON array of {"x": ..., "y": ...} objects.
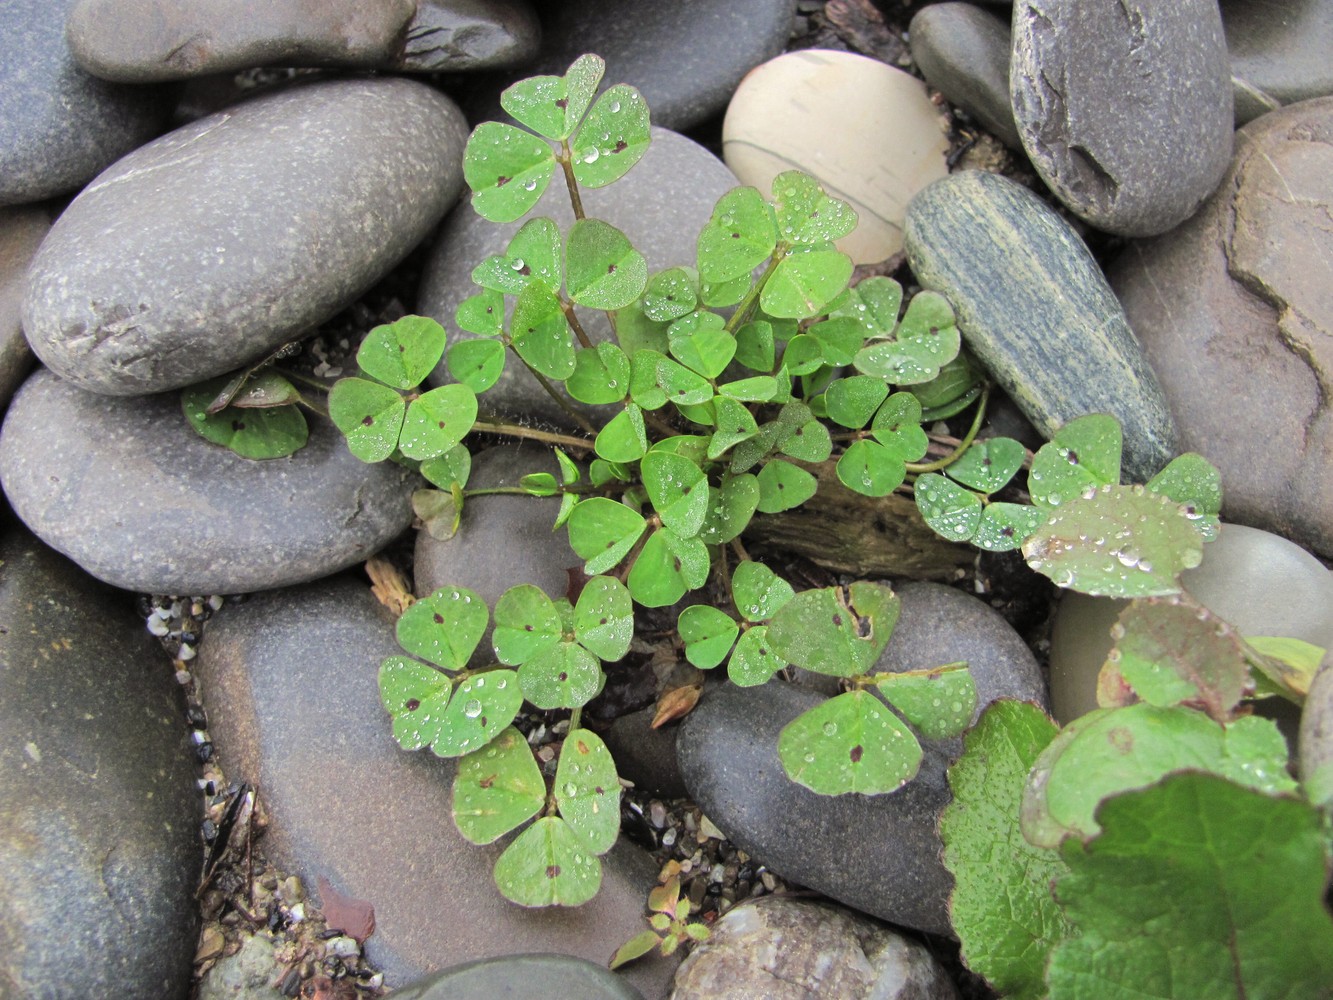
[{"x": 963, "y": 52}]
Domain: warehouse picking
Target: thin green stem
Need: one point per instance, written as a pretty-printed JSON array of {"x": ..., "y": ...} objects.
[
  {"x": 306, "y": 380},
  {"x": 492, "y": 426},
  {"x": 968, "y": 438},
  {"x": 312, "y": 406},
  {"x": 572, "y": 319},
  {"x": 746, "y": 304},
  {"x": 576, "y": 719},
  {"x": 574, "y": 414},
  {"x": 565, "y": 158}
]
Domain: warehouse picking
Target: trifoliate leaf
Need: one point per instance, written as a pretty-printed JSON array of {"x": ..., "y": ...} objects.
[
  {"x": 507, "y": 169},
  {"x": 735, "y": 423},
  {"x": 758, "y": 592},
  {"x": 939, "y": 702},
  {"x": 437, "y": 420},
  {"x": 707, "y": 633},
  {"x": 701, "y": 343},
  {"x": 548, "y": 865},
  {"x": 251, "y": 433},
  {"x": 950, "y": 510},
  {"x": 822, "y": 630},
  {"x": 370, "y": 416},
  {"x": 497, "y": 788},
  {"x": 1194, "y": 483},
  {"x": 987, "y": 466},
  {"x": 554, "y": 105},
  {"x": 853, "y": 400},
  {"x": 753, "y": 661},
  {"x": 483, "y": 313},
  {"x": 805, "y": 282},
  {"x": 1120, "y": 541},
  {"x": 1083, "y": 453},
  {"x": 1110, "y": 750},
  {"x": 454, "y": 466},
  {"x": 624, "y": 438},
  {"x": 810, "y": 442},
  {"x": 1005, "y": 526},
  {"x": 869, "y": 468},
  {"x": 587, "y": 790},
  {"x": 603, "y": 270},
  {"x": 604, "y": 618},
  {"x": 730, "y": 508},
  {"x": 1197, "y": 888},
  {"x": 526, "y": 622},
  {"x": 1001, "y": 908},
  {"x": 602, "y": 532},
  {"x": 874, "y": 303},
  {"x": 897, "y": 426},
  {"x": 612, "y": 139},
  {"x": 678, "y": 489},
  {"x": 851, "y": 743},
  {"x": 478, "y": 364},
  {"x": 923, "y": 343},
  {"x": 445, "y": 627},
  {"x": 540, "y": 332},
  {"x": 403, "y": 353},
  {"x": 671, "y": 294},
  {"x": 783, "y": 486},
  {"x": 805, "y": 214},
  {"x": 755, "y": 347},
  {"x": 564, "y": 675},
  {"x": 666, "y": 568},
  {"x": 481, "y": 707},
  {"x": 601, "y": 374},
  {"x": 415, "y": 695},
  {"x": 740, "y": 235}
]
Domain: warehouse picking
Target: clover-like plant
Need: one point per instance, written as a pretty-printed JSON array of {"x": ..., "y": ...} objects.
[{"x": 669, "y": 921}]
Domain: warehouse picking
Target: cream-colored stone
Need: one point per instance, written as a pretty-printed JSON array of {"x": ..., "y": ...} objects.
[{"x": 866, "y": 131}]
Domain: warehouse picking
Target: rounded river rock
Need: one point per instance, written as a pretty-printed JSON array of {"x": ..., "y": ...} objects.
[
  {"x": 131, "y": 493},
  {"x": 240, "y": 231}
]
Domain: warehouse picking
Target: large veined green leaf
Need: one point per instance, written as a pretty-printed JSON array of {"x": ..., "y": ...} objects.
[
  {"x": 1083, "y": 453},
  {"x": 806, "y": 281},
  {"x": 805, "y": 214}
]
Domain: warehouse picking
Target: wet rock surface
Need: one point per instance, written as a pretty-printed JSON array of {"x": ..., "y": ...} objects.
[
  {"x": 59, "y": 126},
  {"x": 537, "y": 977},
  {"x": 99, "y": 848},
  {"x": 963, "y": 51},
  {"x": 784, "y": 949},
  {"x": 1125, "y": 109},
  {"x": 21, "y": 232},
  {"x": 1033, "y": 305},
  {"x": 1229, "y": 307},
  {"x": 449, "y": 36},
  {"x": 379, "y": 829},
  {"x": 1281, "y": 50},
  {"x": 130, "y": 492},
  {"x": 338, "y": 181}
]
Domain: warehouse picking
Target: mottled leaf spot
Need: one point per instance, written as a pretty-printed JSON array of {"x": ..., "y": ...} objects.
[
  {"x": 552, "y": 871},
  {"x": 501, "y": 181},
  {"x": 1121, "y": 740},
  {"x": 439, "y": 618},
  {"x": 413, "y": 704},
  {"x": 855, "y": 753},
  {"x": 367, "y": 420}
]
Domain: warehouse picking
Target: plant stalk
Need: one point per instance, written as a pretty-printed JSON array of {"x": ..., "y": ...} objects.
[
  {"x": 574, "y": 414},
  {"x": 968, "y": 438}
]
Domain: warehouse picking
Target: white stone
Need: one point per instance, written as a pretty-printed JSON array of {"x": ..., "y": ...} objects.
[{"x": 866, "y": 131}]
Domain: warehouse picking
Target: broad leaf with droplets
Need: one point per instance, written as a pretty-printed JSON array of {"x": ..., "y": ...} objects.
[
  {"x": 453, "y": 467},
  {"x": 540, "y": 332},
  {"x": 666, "y": 568},
  {"x": 497, "y": 788},
  {"x": 700, "y": 342},
  {"x": 730, "y": 508},
  {"x": 548, "y": 865},
  {"x": 708, "y": 634},
  {"x": 853, "y": 400},
  {"x": 602, "y": 268},
  {"x": 554, "y": 105},
  {"x": 481, "y": 707},
  {"x": 587, "y": 790},
  {"x": 874, "y": 303},
  {"x": 1005, "y": 526},
  {"x": 445, "y": 627},
  {"x": 624, "y": 438},
  {"x": 753, "y": 661},
  {"x": 783, "y": 486},
  {"x": 601, "y": 374},
  {"x": 869, "y": 468},
  {"x": 851, "y": 743},
  {"x": 949, "y": 509},
  {"x": 1197, "y": 888},
  {"x": 678, "y": 489},
  {"x": 402, "y": 353},
  {"x": 1193, "y": 482},
  {"x": 1111, "y": 750},
  {"x": 740, "y": 235},
  {"x": 805, "y": 281},
  {"x": 1001, "y": 907},
  {"x": 533, "y": 254},
  {"x": 603, "y": 531},
  {"x": 563, "y": 675},
  {"x": 613, "y": 137},
  {"x": 987, "y": 466},
  {"x": 437, "y": 420},
  {"x": 938, "y": 702},
  {"x": 1083, "y": 453},
  {"x": 415, "y": 696},
  {"x": 834, "y": 632},
  {"x": 755, "y": 346},
  {"x": 735, "y": 423},
  {"x": 507, "y": 169},
  {"x": 671, "y": 294},
  {"x": 477, "y": 364},
  {"x": 805, "y": 214},
  {"x": 758, "y": 592},
  {"x": 369, "y": 414},
  {"x": 604, "y": 618},
  {"x": 1120, "y": 541},
  {"x": 483, "y": 313},
  {"x": 1172, "y": 650},
  {"x": 925, "y": 341},
  {"x": 526, "y": 622}
]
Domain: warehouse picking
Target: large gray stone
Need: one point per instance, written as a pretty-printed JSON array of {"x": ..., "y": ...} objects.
[
  {"x": 687, "y": 56},
  {"x": 661, "y": 205},
  {"x": 792, "y": 949},
  {"x": 130, "y": 492},
  {"x": 1281, "y": 49},
  {"x": 522, "y": 977},
  {"x": 1033, "y": 305},
  {"x": 21, "y": 232},
  {"x": 1125, "y": 108},
  {"x": 448, "y": 36},
  {"x": 58, "y": 125},
  {"x": 99, "y": 843},
  {"x": 240, "y": 231},
  {"x": 502, "y": 540},
  {"x": 290, "y": 679},
  {"x": 143, "y": 41},
  {"x": 879, "y": 854},
  {"x": 1235, "y": 311},
  {"x": 963, "y": 52}
]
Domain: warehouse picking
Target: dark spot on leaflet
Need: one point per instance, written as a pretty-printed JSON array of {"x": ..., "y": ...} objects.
[
  {"x": 599, "y": 790},
  {"x": 580, "y": 746},
  {"x": 527, "y": 628},
  {"x": 440, "y": 424},
  {"x": 837, "y": 620},
  {"x": 676, "y": 562},
  {"x": 763, "y": 651},
  {"x": 402, "y": 348},
  {"x": 367, "y": 420},
  {"x": 1121, "y": 740},
  {"x": 620, "y": 146},
  {"x": 1073, "y": 457},
  {"x": 1007, "y": 532},
  {"x": 934, "y": 331},
  {"x": 439, "y": 618},
  {"x": 855, "y": 754},
  {"x": 735, "y": 236},
  {"x": 814, "y": 214},
  {"x": 502, "y": 181},
  {"x": 482, "y": 722},
  {"x": 685, "y": 490},
  {"x": 987, "y": 462},
  {"x": 239, "y": 425},
  {"x": 525, "y": 270},
  {"x": 562, "y": 676},
  {"x": 487, "y": 781},
  {"x": 610, "y": 269},
  {"x": 562, "y": 103},
  {"x": 412, "y": 704},
  {"x": 552, "y": 871},
  {"x": 602, "y": 621}
]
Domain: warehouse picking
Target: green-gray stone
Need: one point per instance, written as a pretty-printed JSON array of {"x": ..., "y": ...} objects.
[{"x": 1033, "y": 305}]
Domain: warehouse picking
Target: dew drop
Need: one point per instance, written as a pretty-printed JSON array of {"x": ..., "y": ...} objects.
[
  {"x": 830, "y": 729},
  {"x": 472, "y": 709}
]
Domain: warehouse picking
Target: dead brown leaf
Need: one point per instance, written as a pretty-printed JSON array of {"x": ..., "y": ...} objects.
[
  {"x": 354, "y": 917},
  {"x": 388, "y": 585},
  {"x": 676, "y": 704}
]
